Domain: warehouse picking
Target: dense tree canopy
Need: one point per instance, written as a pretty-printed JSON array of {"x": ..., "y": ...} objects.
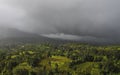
[{"x": 64, "y": 59}]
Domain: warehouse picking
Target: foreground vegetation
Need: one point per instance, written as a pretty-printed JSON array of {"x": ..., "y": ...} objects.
[{"x": 66, "y": 59}]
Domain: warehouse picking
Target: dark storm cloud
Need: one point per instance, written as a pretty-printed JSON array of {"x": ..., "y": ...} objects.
[{"x": 96, "y": 18}]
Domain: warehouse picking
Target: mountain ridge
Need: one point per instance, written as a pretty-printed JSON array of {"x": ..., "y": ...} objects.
[{"x": 12, "y": 35}]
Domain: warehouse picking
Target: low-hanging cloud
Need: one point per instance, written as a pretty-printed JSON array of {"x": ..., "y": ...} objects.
[{"x": 96, "y": 18}]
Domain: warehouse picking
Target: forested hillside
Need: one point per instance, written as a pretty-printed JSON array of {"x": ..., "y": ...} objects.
[{"x": 63, "y": 59}]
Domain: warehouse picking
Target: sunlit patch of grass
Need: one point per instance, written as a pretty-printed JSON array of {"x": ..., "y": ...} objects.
[
  {"x": 61, "y": 61},
  {"x": 14, "y": 56},
  {"x": 23, "y": 65},
  {"x": 31, "y": 52},
  {"x": 88, "y": 67}
]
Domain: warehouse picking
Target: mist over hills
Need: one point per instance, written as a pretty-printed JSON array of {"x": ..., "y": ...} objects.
[
  {"x": 13, "y": 35},
  {"x": 59, "y": 37},
  {"x": 92, "y": 18},
  {"x": 10, "y": 36}
]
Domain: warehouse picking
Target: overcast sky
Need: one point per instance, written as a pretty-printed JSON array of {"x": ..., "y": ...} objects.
[{"x": 95, "y": 18}]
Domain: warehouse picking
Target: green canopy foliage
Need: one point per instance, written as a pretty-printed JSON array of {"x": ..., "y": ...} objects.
[{"x": 64, "y": 59}]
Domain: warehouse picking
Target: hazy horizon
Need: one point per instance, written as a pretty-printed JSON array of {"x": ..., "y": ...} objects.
[{"x": 71, "y": 18}]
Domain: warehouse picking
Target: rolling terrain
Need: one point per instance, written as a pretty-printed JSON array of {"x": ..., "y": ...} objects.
[
  {"x": 11, "y": 36},
  {"x": 24, "y": 53}
]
